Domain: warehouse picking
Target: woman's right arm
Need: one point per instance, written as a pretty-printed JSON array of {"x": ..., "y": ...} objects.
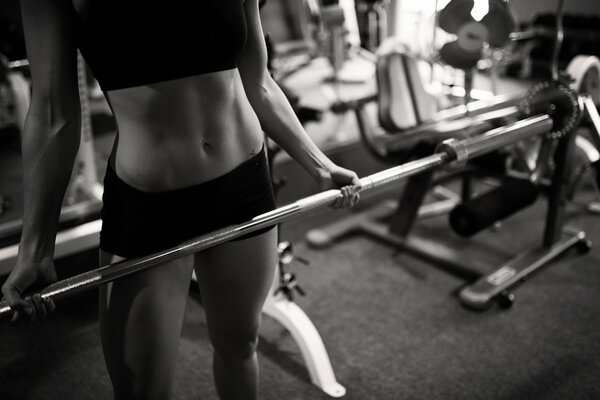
[{"x": 50, "y": 140}]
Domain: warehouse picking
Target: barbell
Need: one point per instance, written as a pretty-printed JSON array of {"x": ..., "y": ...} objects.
[{"x": 451, "y": 152}]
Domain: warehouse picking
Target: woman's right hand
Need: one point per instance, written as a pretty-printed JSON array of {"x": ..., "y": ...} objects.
[{"x": 24, "y": 275}]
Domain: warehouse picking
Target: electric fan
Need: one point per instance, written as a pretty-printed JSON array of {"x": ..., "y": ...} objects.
[{"x": 474, "y": 23}]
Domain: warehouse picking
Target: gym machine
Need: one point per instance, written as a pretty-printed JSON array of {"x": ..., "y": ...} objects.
[
  {"x": 550, "y": 172},
  {"x": 373, "y": 14}
]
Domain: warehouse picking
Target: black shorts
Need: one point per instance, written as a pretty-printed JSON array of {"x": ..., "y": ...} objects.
[{"x": 136, "y": 223}]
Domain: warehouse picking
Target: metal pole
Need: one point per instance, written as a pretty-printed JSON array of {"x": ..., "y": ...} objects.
[
  {"x": 520, "y": 130},
  {"x": 558, "y": 39},
  {"x": 498, "y": 138}
]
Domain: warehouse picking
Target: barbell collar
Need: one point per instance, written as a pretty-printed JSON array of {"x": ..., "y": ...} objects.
[
  {"x": 460, "y": 151},
  {"x": 456, "y": 150}
]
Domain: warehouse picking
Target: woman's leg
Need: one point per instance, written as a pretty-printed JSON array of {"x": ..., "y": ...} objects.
[
  {"x": 141, "y": 316},
  {"x": 234, "y": 280}
]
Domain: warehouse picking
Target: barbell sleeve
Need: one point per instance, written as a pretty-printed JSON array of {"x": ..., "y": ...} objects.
[
  {"x": 466, "y": 149},
  {"x": 489, "y": 141}
]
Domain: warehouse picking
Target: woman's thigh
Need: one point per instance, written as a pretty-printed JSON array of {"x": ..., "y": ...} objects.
[
  {"x": 141, "y": 316},
  {"x": 234, "y": 280}
]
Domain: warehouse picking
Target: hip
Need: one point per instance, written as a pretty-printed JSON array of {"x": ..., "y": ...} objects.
[{"x": 137, "y": 223}]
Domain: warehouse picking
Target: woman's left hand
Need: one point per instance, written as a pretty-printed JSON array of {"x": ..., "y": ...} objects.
[{"x": 340, "y": 178}]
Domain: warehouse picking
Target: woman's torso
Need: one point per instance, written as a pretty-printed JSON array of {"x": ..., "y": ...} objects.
[{"x": 187, "y": 118}]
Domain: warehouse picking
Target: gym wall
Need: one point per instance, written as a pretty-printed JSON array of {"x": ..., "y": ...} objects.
[
  {"x": 525, "y": 10},
  {"x": 284, "y": 20}
]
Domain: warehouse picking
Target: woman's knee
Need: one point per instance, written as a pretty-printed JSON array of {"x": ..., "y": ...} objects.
[{"x": 237, "y": 345}]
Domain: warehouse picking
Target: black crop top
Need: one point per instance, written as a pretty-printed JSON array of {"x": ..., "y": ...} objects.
[{"x": 130, "y": 43}]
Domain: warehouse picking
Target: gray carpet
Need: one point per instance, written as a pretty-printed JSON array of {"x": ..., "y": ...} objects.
[{"x": 391, "y": 324}]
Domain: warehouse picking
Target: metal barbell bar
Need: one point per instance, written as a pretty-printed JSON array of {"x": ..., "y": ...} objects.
[{"x": 451, "y": 152}]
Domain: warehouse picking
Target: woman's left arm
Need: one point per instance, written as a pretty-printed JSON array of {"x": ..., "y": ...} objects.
[{"x": 279, "y": 120}]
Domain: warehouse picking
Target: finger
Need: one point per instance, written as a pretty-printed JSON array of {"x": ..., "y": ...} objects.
[
  {"x": 15, "y": 300},
  {"x": 355, "y": 199},
  {"x": 352, "y": 193},
  {"x": 349, "y": 196},
  {"x": 346, "y": 181},
  {"x": 16, "y": 314},
  {"x": 31, "y": 314},
  {"x": 47, "y": 305},
  {"x": 344, "y": 191},
  {"x": 50, "y": 304},
  {"x": 345, "y": 198},
  {"x": 40, "y": 306},
  {"x": 11, "y": 293},
  {"x": 337, "y": 203},
  {"x": 15, "y": 317}
]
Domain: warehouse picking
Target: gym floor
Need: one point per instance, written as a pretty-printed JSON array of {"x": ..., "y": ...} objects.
[{"x": 391, "y": 323}]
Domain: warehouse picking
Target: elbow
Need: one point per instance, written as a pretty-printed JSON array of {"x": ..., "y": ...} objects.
[
  {"x": 258, "y": 94},
  {"x": 67, "y": 130},
  {"x": 66, "y": 123},
  {"x": 54, "y": 119},
  {"x": 260, "y": 90},
  {"x": 57, "y": 105}
]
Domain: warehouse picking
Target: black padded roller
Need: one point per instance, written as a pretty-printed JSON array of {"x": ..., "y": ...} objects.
[{"x": 482, "y": 211}]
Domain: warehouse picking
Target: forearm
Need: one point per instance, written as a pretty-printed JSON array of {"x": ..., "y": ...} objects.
[
  {"x": 49, "y": 150},
  {"x": 280, "y": 123}
]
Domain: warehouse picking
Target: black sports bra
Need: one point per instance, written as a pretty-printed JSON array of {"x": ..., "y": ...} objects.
[{"x": 130, "y": 43}]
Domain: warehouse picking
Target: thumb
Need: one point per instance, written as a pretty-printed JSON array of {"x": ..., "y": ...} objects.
[{"x": 15, "y": 299}]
